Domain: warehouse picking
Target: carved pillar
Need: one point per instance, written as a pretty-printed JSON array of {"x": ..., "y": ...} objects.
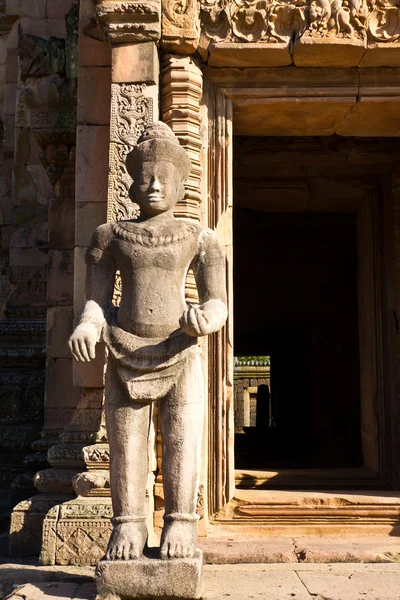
[
  {"x": 77, "y": 531},
  {"x": 181, "y": 95}
]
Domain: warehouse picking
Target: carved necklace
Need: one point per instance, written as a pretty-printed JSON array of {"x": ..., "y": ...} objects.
[{"x": 136, "y": 234}]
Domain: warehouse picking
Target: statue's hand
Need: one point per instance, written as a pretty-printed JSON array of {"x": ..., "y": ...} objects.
[
  {"x": 204, "y": 319},
  {"x": 82, "y": 342}
]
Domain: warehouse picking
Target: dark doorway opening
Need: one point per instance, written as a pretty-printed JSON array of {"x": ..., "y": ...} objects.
[{"x": 295, "y": 300}]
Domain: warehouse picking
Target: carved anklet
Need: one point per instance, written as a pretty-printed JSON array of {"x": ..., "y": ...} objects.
[
  {"x": 188, "y": 517},
  {"x": 127, "y": 519}
]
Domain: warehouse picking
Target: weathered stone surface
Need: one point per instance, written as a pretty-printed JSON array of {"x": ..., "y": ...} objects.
[
  {"x": 229, "y": 54},
  {"x": 89, "y": 215},
  {"x": 92, "y": 149},
  {"x": 135, "y": 63},
  {"x": 58, "y": 9},
  {"x": 59, "y": 383},
  {"x": 150, "y": 578},
  {"x": 94, "y": 96},
  {"x": 328, "y": 52},
  {"x": 60, "y": 273}
]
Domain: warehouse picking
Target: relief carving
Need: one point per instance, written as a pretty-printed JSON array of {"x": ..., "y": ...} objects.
[
  {"x": 384, "y": 21},
  {"x": 129, "y": 22},
  {"x": 180, "y": 26},
  {"x": 131, "y": 113},
  {"x": 275, "y": 21}
]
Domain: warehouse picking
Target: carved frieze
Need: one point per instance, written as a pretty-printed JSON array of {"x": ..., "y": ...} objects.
[
  {"x": 277, "y": 21},
  {"x": 129, "y": 22}
]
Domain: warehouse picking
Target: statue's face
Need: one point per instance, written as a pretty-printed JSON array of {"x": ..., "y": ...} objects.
[{"x": 157, "y": 187}]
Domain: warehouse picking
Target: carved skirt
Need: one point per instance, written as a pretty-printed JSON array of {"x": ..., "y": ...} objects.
[{"x": 148, "y": 367}]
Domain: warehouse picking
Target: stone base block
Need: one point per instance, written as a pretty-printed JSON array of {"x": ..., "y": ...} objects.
[{"x": 179, "y": 578}]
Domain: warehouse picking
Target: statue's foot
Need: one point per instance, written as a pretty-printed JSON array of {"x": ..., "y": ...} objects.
[
  {"x": 127, "y": 541},
  {"x": 179, "y": 539}
]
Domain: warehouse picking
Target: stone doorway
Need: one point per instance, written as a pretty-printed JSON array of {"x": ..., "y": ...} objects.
[{"x": 309, "y": 291}]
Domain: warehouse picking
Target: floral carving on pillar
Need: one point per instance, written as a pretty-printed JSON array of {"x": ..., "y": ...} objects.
[{"x": 131, "y": 112}]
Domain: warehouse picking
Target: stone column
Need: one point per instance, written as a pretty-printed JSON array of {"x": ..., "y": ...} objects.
[
  {"x": 181, "y": 94},
  {"x": 77, "y": 531}
]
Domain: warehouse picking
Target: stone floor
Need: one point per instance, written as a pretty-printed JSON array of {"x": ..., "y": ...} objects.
[{"x": 288, "y": 581}]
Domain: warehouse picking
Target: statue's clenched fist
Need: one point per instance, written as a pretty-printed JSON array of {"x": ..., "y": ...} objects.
[{"x": 203, "y": 319}]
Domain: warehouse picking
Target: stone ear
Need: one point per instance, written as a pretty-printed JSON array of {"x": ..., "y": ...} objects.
[{"x": 132, "y": 194}]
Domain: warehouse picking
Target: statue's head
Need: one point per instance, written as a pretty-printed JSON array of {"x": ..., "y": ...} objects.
[{"x": 159, "y": 167}]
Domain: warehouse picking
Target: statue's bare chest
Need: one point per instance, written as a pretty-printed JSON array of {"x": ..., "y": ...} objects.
[{"x": 172, "y": 250}]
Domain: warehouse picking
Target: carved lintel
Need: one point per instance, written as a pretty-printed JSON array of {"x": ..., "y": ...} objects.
[
  {"x": 279, "y": 22},
  {"x": 180, "y": 26},
  {"x": 129, "y": 22}
]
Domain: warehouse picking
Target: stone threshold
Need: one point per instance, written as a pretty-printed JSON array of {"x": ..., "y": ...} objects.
[
  {"x": 308, "y": 479},
  {"x": 310, "y": 513}
]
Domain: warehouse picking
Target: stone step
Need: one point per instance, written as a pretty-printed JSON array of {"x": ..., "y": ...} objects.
[{"x": 333, "y": 512}]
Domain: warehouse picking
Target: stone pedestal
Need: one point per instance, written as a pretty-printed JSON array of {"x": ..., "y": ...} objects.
[{"x": 150, "y": 577}]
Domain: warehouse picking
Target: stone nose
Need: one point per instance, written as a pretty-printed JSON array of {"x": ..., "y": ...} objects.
[{"x": 155, "y": 185}]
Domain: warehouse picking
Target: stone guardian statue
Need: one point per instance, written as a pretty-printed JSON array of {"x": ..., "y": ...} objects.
[{"x": 152, "y": 340}]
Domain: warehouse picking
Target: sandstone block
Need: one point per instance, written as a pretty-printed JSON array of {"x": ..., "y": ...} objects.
[
  {"x": 57, "y": 9},
  {"x": 91, "y": 398},
  {"x": 56, "y": 418},
  {"x": 43, "y": 27},
  {"x": 88, "y": 216},
  {"x": 328, "y": 52},
  {"x": 12, "y": 39},
  {"x": 381, "y": 54},
  {"x": 94, "y": 99},
  {"x": 9, "y": 127},
  {"x": 227, "y": 54},
  {"x": 59, "y": 328},
  {"x": 60, "y": 278},
  {"x": 79, "y": 280},
  {"x": 60, "y": 390},
  {"x": 12, "y": 7},
  {"x": 36, "y": 9},
  {"x": 91, "y": 52},
  {"x": 135, "y": 63},
  {"x": 150, "y": 578},
  {"x": 62, "y": 223},
  {"x": 92, "y": 163},
  {"x": 91, "y": 375},
  {"x": 11, "y": 65}
]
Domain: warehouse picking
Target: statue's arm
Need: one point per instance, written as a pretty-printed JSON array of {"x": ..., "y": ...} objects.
[
  {"x": 209, "y": 272},
  {"x": 100, "y": 278}
]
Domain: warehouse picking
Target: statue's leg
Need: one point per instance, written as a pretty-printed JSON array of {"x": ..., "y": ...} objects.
[
  {"x": 128, "y": 429},
  {"x": 181, "y": 420}
]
